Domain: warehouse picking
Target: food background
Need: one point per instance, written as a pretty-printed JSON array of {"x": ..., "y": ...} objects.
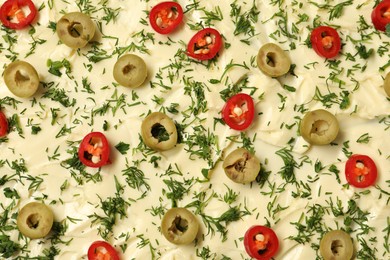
[{"x": 301, "y": 191}]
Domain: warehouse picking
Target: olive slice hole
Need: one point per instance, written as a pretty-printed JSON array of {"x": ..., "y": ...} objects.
[
  {"x": 159, "y": 132},
  {"x": 336, "y": 244},
  {"x": 336, "y": 247},
  {"x": 240, "y": 165},
  {"x": 75, "y": 29},
  {"x": 271, "y": 59},
  {"x": 128, "y": 68},
  {"x": 33, "y": 221},
  {"x": 179, "y": 226},
  {"x": 319, "y": 127},
  {"x": 21, "y": 78}
]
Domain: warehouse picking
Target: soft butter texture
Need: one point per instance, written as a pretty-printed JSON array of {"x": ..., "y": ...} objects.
[{"x": 305, "y": 193}]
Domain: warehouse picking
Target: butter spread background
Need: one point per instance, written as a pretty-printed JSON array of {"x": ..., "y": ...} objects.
[{"x": 86, "y": 99}]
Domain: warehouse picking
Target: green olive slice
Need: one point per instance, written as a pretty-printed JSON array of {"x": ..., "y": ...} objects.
[
  {"x": 130, "y": 71},
  {"x": 75, "y": 29},
  {"x": 35, "y": 220},
  {"x": 179, "y": 226},
  {"x": 319, "y": 127},
  {"x": 336, "y": 245},
  {"x": 21, "y": 79},
  {"x": 241, "y": 166},
  {"x": 386, "y": 84},
  {"x": 272, "y": 60},
  {"x": 159, "y": 132}
]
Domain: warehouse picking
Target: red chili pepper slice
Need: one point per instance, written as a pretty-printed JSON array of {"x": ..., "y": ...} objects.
[
  {"x": 205, "y": 44},
  {"x": 261, "y": 242},
  {"x": 239, "y": 111},
  {"x": 3, "y": 125},
  {"x": 360, "y": 171},
  {"x": 165, "y": 17},
  {"x": 325, "y": 41},
  {"x": 101, "y": 250},
  {"x": 94, "y": 150},
  {"x": 13, "y": 16},
  {"x": 380, "y": 15}
]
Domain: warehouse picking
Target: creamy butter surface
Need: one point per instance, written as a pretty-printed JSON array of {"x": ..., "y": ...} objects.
[{"x": 301, "y": 191}]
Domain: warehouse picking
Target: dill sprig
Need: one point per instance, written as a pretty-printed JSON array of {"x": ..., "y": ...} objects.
[
  {"x": 8, "y": 247},
  {"x": 203, "y": 143},
  {"x": 309, "y": 224},
  {"x": 113, "y": 208},
  {"x": 244, "y": 21},
  {"x": 177, "y": 189},
  {"x": 287, "y": 171},
  {"x": 135, "y": 177},
  {"x": 196, "y": 91},
  {"x": 219, "y": 224}
]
